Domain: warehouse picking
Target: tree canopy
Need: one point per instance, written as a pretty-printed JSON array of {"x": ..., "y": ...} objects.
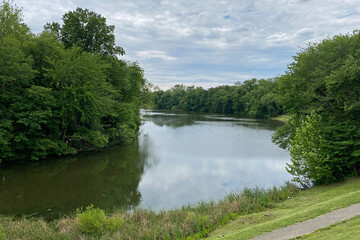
[
  {"x": 57, "y": 97},
  {"x": 87, "y": 30},
  {"x": 321, "y": 90},
  {"x": 252, "y": 98}
]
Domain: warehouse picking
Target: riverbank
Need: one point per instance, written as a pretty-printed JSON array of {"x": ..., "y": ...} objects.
[
  {"x": 281, "y": 118},
  {"x": 238, "y": 216},
  {"x": 190, "y": 222}
]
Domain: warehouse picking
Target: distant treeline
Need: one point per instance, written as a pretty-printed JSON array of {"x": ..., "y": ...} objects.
[
  {"x": 64, "y": 90},
  {"x": 320, "y": 91},
  {"x": 252, "y": 98}
]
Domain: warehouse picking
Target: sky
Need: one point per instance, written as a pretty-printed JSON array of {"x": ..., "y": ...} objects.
[{"x": 209, "y": 43}]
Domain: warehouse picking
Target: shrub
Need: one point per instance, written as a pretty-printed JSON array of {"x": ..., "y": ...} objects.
[{"x": 94, "y": 221}]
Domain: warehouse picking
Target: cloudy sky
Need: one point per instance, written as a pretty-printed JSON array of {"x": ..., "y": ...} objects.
[{"x": 213, "y": 42}]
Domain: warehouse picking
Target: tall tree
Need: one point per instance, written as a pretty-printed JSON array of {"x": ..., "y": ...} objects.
[
  {"x": 87, "y": 30},
  {"x": 11, "y": 22}
]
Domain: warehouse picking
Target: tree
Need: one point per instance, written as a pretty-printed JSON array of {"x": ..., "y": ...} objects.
[
  {"x": 83, "y": 95},
  {"x": 87, "y": 30},
  {"x": 57, "y": 99},
  {"x": 11, "y": 24},
  {"x": 15, "y": 76},
  {"x": 308, "y": 156},
  {"x": 321, "y": 91},
  {"x": 35, "y": 124},
  {"x": 255, "y": 99},
  {"x": 53, "y": 28},
  {"x": 42, "y": 49}
]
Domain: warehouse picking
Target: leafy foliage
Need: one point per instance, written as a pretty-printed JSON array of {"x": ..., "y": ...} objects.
[
  {"x": 87, "y": 30},
  {"x": 59, "y": 96},
  {"x": 308, "y": 159},
  {"x": 11, "y": 24},
  {"x": 253, "y": 98},
  {"x": 94, "y": 221},
  {"x": 321, "y": 91}
]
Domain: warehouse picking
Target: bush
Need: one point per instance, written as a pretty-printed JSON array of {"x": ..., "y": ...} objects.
[
  {"x": 94, "y": 221},
  {"x": 309, "y": 160}
]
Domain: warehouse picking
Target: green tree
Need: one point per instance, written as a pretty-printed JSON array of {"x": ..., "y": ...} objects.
[
  {"x": 324, "y": 79},
  {"x": 56, "y": 99},
  {"x": 11, "y": 22},
  {"x": 42, "y": 49},
  {"x": 35, "y": 125},
  {"x": 308, "y": 156},
  {"x": 83, "y": 95},
  {"x": 15, "y": 76},
  {"x": 254, "y": 98},
  {"x": 87, "y": 30}
]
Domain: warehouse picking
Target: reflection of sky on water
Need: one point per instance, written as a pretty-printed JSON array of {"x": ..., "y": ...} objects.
[
  {"x": 206, "y": 159},
  {"x": 179, "y": 159}
]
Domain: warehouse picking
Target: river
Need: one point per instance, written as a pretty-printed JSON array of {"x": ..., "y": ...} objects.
[{"x": 179, "y": 159}]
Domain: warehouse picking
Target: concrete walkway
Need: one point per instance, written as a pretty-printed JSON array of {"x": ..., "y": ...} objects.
[{"x": 311, "y": 225}]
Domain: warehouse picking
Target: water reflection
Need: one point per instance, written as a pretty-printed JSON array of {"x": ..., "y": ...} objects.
[
  {"x": 212, "y": 156},
  {"x": 179, "y": 159},
  {"x": 176, "y": 120},
  {"x": 169, "y": 119},
  {"x": 107, "y": 178}
]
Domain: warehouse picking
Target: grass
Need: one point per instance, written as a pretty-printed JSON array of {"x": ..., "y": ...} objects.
[
  {"x": 306, "y": 205},
  {"x": 346, "y": 230},
  {"x": 188, "y": 222},
  {"x": 281, "y": 118},
  {"x": 237, "y": 216}
]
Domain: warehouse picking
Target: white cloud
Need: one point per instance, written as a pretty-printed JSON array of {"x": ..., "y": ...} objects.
[
  {"x": 148, "y": 54},
  {"x": 195, "y": 38}
]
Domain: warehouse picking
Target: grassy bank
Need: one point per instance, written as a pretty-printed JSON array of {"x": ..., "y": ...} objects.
[
  {"x": 188, "y": 222},
  {"x": 237, "y": 216},
  {"x": 281, "y": 118},
  {"x": 306, "y": 205}
]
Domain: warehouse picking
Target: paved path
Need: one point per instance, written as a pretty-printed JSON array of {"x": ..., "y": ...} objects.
[{"x": 311, "y": 225}]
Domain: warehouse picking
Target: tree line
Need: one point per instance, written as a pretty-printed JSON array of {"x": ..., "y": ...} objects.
[
  {"x": 320, "y": 91},
  {"x": 65, "y": 89},
  {"x": 252, "y": 98}
]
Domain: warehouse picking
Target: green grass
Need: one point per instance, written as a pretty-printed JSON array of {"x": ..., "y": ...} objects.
[
  {"x": 306, "y": 205},
  {"x": 281, "y": 118},
  {"x": 345, "y": 230}
]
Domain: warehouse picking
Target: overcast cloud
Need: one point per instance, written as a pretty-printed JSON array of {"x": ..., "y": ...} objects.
[{"x": 213, "y": 42}]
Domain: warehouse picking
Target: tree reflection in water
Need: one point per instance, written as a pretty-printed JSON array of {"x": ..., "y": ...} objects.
[{"x": 107, "y": 178}]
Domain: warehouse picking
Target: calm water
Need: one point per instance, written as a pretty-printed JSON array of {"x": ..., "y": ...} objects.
[{"x": 179, "y": 159}]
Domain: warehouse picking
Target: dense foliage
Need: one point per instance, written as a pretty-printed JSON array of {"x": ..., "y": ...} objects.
[
  {"x": 58, "y": 95},
  {"x": 87, "y": 30},
  {"x": 321, "y": 90},
  {"x": 252, "y": 98}
]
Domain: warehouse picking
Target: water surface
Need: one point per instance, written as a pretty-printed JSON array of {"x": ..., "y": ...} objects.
[{"x": 178, "y": 159}]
